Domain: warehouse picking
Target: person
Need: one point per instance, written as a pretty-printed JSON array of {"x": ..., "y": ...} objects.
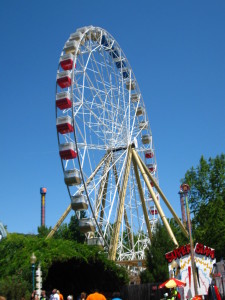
[
  {"x": 96, "y": 296},
  {"x": 43, "y": 295},
  {"x": 34, "y": 295},
  {"x": 116, "y": 296},
  {"x": 54, "y": 295},
  {"x": 83, "y": 296},
  {"x": 175, "y": 295},
  {"x": 213, "y": 292},
  {"x": 70, "y": 297},
  {"x": 60, "y": 295}
]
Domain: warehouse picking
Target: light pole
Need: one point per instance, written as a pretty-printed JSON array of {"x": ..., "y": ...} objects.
[
  {"x": 33, "y": 261},
  {"x": 185, "y": 189}
]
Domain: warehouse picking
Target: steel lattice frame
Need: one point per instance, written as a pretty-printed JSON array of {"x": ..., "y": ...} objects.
[{"x": 108, "y": 116}]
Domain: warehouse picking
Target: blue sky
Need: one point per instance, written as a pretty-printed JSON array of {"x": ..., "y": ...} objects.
[{"x": 176, "y": 50}]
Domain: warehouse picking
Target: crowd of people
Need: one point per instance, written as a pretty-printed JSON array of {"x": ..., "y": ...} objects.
[{"x": 56, "y": 295}]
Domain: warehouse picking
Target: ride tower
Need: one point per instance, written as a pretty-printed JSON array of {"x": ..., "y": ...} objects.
[{"x": 43, "y": 192}]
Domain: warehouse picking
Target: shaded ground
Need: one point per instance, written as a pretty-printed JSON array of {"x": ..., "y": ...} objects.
[{"x": 73, "y": 277}]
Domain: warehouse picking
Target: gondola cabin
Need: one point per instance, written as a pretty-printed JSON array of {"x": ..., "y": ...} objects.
[
  {"x": 63, "y": 100},
  {"x": 146, "y": 139},
  {"x": 66, "y": 61},
  {"x": 120, "y": 62},
  {"x": 72, "y": 177},
  {"x": 76, "y": 36},
  {"x": 149, "y": 153},
  {"x": 143, "y": 125},
  {"x": 64, "y": 124},
  {"x": 140, "y": 111},
  {"x": 125, "y": 72},
  {"x": 135, "y": 98},
  {"x": 64, "y": 79},
  {"x": 130, "y": 85},
  {"x": 67, "y": 151},
  {"x": 71, "y": 47},
  {"x": 96, "y": 241},
  {"x": 79, "y": 202},
  {"x": 87, "y": 225},
  {"x": 151, "y": 167},
  {"x": 153, "y": 210}
]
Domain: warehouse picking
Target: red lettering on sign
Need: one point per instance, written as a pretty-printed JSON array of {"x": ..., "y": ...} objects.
[{"x": 186, "y": 249}]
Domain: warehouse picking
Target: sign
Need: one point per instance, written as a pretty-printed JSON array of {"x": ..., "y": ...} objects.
[{"x": 204, "y": 259}]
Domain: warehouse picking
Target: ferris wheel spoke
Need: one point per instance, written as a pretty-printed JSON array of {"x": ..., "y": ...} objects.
[
  {"x": 105, "y": 86},
  {"x": 102, "y": 188}
]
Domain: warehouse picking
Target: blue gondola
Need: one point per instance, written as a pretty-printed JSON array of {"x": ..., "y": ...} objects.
[
  {"x": 104, "y": 41},
  {"x": 114, "y": 52},
  {"x": 125, "y": 74},
  {"x": 120, "y": 64}
]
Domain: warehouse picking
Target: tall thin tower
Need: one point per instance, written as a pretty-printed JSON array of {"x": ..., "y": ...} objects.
[
  {"x": 183, "y": 214},
  {"x": 43, "y": 192}
]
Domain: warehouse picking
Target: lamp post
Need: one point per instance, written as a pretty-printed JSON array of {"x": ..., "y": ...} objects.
[
  {"x": 33, "y": 261},
  {"x": 185, "y": 189}
]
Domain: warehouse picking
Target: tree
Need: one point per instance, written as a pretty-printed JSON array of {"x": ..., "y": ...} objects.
[
  {"x": 43, "y": 231},
  {"x": 157, "y": 267},
  {"x": 71, "y": 231},
  {"x": 76, "y": 265},
  {"x": 207, "y": 202}
]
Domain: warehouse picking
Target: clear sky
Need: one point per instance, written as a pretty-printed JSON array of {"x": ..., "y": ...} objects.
[{"x": 177, "y": 52}]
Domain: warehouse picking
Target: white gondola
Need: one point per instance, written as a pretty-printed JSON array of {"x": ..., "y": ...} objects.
[
  {"x": 96, "y": 241},
  {"x": 79, "y": 202},
  {"x": 76, "y": 36},
  {"x": 130, "y": 85},
  {"x": 143, "y": 125},
  {"x": 72, "y": 177},
  {"x": 95, "y": 35},
  {"x": 140, "y": 111},
  {"x": 146, "y": 139},
  {"x": 135, "y": 98},
  {"x": 87, "y": 225},
  {"x": 83, "y": 29},
  {"x": 71, "y": 46}
]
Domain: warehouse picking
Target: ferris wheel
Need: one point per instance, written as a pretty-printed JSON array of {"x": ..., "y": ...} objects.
[{"x": 106, "y": 146}]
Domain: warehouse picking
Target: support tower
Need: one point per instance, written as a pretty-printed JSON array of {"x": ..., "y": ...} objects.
[{"x": 43, "y": 192}]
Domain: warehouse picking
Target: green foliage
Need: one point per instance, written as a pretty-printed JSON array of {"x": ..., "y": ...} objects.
[
  {"x": 157, "y": 269},
  {"x": 53, "y": 254},
  {"x": 207, "y": 202},
  {"x": 157, "y": 266},
  {"x": 14, "y": 287},
  {"x": 71, "y": 231},
  {"x": 43, "y": 231}
]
